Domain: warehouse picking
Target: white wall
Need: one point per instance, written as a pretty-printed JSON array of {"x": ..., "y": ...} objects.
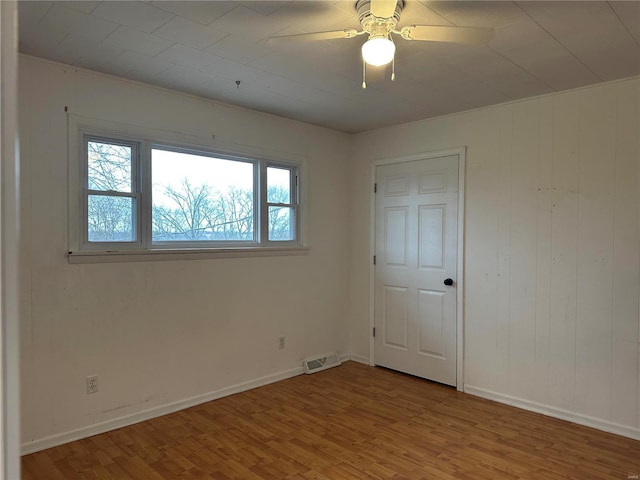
[
  {"x": 161, "y": 332},
  {"x": 552, "y": 248}
]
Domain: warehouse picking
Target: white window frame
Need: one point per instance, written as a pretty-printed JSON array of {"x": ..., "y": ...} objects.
[
  {"x": 294, "y": 202},
  {"x": 255, "y": 243},
  {"x": 82, "y": 251},
  {"x": 136, "y": 191}
]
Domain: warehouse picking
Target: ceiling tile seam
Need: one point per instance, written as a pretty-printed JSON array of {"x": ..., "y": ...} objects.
[
  {"x": 435, "y": 12},
  {"x": 46, "y": 13},
  {"x": 409, "y": 103},
  {"x": 558, "y": 41},
  {"x": 466, "y": 102},
  {"x": 280, "y": 32},
  {"x": 613, "y": 10},
  {"x": 119, "y": 22},
  {"x": 463, "y": 74},
  {"x": 117, "y": 25},
  {"x": 310, "y": 87},
  {"x": 346, "y": 97},
  {"x": 62, "y": 41},
  {"x": 42, "y": 19},
  {"x": 504, "y": 57},
  {"x": 152, "y": 56},
  {"x": 522, "y": 69},
  {"x": 156, "y": 5},
  {"x": 184, "y": 44},
  {"x": 94, "y": 8},
  {"x": 217, "y": 41},
  {"x": 189, "y": 46},
  {"x": 132, "y": 70},
  {"x": 173, "y": 63},
  {"x": 224, "y": 15},
  {"x": 488, "y": 85},
  {"x": 277, "y": 9},
  {"x": 168, "y": 20},
  {"x": 159, "y": 6},
  {"x": 125, "y": 72}
]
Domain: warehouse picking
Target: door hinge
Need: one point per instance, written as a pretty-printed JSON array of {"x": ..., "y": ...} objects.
[
  {"x": 374, "y": 332},
  {"x": 374, "y": 259},
  {"x": 375, "y": 188}
]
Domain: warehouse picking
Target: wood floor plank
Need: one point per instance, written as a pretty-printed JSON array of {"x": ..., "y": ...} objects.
[{"x": 347, "y": 423}]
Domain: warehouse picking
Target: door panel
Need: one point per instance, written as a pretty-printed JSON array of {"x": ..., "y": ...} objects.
[
  {"x": 416, "y": 250},
  {"x": 395, "y": 317},
  {"x": 395, "y": 226},
  {"x": 433, "y": 182},
  {"x": 431, "y": 235},
  {"x": 396, "y": 185},
  {"x": 431, "y": 314}
]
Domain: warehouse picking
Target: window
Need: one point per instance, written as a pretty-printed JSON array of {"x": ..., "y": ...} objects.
[
  {"x": 200, "y": 198},
  {"x": 145, "y": 195},
  {"x": 281, "y": 207},
  {"x": 112, "y": 193}
]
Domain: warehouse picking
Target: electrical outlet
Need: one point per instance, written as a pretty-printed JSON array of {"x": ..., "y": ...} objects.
[
  {"x": 92, "y": 384},
  {"x": 282, "y": 342}
]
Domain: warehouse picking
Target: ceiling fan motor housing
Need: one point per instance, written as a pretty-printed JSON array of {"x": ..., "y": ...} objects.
[{"x": 374, "y": 25}]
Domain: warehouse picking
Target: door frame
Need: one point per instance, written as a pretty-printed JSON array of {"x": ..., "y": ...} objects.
[
  {"x": 9, "y": 245},
  {"x": 461, "y": 152}
]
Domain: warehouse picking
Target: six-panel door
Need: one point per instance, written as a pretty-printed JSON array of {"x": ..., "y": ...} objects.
[{"x": 416, "y": 251}]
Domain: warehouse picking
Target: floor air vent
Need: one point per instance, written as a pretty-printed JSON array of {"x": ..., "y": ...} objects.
[{"x": 316, "y": 364}]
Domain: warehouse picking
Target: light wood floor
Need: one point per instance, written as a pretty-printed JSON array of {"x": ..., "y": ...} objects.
[{"x": 349, "y": 422}]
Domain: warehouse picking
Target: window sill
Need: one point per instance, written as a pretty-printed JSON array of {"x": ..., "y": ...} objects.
[{"x": 125, "y": 256}]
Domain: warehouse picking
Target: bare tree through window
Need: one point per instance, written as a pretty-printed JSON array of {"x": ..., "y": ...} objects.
[{"x": 195, "y": 198}]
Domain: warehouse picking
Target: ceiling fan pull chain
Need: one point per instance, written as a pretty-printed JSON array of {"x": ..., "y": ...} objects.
[
  {"x": 364, "y": 74},
  {"x": 393, "y": 62}
]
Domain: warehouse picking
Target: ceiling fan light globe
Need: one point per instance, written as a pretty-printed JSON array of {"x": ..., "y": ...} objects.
[{"x": 378, "y": 51}]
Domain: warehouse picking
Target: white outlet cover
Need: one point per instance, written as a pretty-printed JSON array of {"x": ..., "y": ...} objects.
[{"x": 92, "y": 384}]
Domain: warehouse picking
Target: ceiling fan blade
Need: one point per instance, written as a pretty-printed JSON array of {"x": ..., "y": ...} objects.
[
  {"x": 433, "y": 33},
  {"x": 310, "y": 37},
  {"x": 383, "y": 8}
]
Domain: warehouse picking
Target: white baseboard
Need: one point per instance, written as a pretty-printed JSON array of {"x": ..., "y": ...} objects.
[
  {"x": 90, "y": 430},
  {"x": 359, "y": 358},
  {"x": 345, "y": 357},
  {"x": 555, "y": 412}
]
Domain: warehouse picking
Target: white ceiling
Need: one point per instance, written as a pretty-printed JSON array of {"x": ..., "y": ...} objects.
[{"x": 205, "y": 47}]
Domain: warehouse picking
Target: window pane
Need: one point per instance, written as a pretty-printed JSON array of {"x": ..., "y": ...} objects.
[
  {"x": 278, "y": 185},
  {"x": 111, "y": 219},
  {"x": 109, "y": 166},
  {"x": 281, "y": 224},
  {"x": 198, "y": 198}
]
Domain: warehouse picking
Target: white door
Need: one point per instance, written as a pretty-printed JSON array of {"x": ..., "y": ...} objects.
[{"x": 416, "y": 259}]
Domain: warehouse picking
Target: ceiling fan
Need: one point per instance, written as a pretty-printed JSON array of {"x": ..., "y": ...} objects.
[{"x": 379, "y": 19}]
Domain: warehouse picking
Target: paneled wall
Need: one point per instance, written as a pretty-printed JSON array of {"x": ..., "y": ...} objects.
[
  {"x": 551, "y": 250},
  {"x": 163, "y": 333}
]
